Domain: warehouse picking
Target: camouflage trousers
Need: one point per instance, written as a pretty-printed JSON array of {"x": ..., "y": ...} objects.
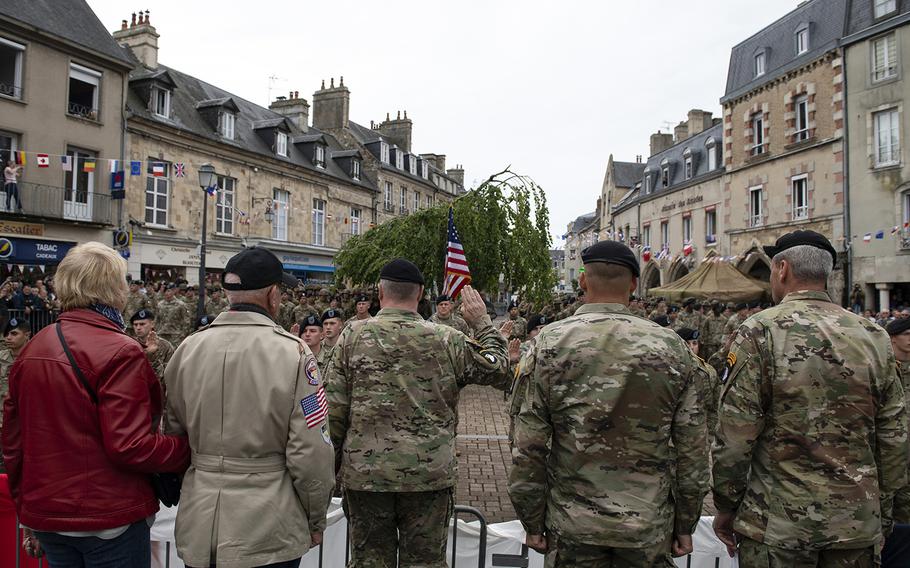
[
  {"x": 754, "y": 554},
  {"x": 567, "y": 554},
  {"x": 411, "y": 527}
]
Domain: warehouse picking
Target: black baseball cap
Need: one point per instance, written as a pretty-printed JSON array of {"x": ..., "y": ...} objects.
[
  {"x": 143, "y": 315},
  {"x": 799, "y": 238},
  {"x": 611, "y": 252},
  {"x": 257, "y": 268},
  {"x": 401, "y": 270}
]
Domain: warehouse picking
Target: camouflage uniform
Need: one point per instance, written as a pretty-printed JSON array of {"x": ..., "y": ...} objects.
[
  {"x": 392, "y": 386},
  {"x": 731, "y": 326},
  {"x": 286, "y": 315},
  {"x": 812, "y": 435},
  {"x": 172, "y": 320},
  {"x": 902, "y": 498},
  {"x": 302, "y": 311},
  {"x": 453, "y": 321},
  {"x": 134, "y": 302},
  {"x": 352, "y": 319},
  {"x": 711, "y": 335},
  {"x": 214, "y": 307},
  {"x": 607, "y": 395},
  {"x": 519, "y": 328},
  {"x": 6, "y": 363},
  {"x": 160, "y": 359}
]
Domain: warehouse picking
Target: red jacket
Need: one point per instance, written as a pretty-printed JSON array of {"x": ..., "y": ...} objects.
[{"x": 72, "y": 465}]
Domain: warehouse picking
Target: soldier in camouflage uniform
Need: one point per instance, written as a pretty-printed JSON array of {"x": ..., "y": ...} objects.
[
  {"x": 135, "y": 301},
  {"x": 362, "y": 309},
  {"x": 303, "y": 309},
  {"x": 712, "y": 333},
  {"x": 812, "y": 437},
  {"x": 157, "y": 349},
  {"x": 736, "y": 320},
  {"x": 608, "y": 396},
  {"x": 899, "y": 331},
  {"x": 687, "y": 317},
  {"x": 711, "y": 387},
  {"x": 445, "y": 315},
  {"x": 310, "y": 330},
  {"x": 519, "y": 324},
  {"x": 173, "y": 321},
  {"x": 16, "y": 334},
  {"x": 217, "y": 303},
  {"x": 392, "y": 385}
]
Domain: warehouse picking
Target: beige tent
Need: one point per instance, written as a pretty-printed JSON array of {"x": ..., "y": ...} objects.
[{"x": 714, "y": 281}]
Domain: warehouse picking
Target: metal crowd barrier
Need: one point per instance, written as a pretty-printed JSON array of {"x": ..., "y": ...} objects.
[
  {"x": 482, "y": 557},
  {"x": 38, "y": 319}
]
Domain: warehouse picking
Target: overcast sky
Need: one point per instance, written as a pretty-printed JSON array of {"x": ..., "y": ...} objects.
[{"x": 550, "y": 88}]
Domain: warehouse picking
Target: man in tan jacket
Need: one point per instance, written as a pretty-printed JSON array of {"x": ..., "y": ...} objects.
[{"x": 249, "y": 396}]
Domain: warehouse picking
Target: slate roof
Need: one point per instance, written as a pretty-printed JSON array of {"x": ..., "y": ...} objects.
[
  {"x": 826, "y": 19},
  {"x": 185, "y": 115},
  {"x": 626, "y": 174},
  {"x": 72, "y": 20},
  {"x": 582, "y": 222},
  {"x": 861, "y": 17}
]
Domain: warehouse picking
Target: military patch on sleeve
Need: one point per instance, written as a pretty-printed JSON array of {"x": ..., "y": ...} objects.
[
  {"x": 325, "y": 434},
  {"x": 312, "y": 371},
  {"x": 490, "y": 357},
  {"x": 731, "y": 361}
]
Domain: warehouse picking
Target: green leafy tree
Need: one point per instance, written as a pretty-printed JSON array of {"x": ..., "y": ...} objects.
[{"x": 503, "y": 225}]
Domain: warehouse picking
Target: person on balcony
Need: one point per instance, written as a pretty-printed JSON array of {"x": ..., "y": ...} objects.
[{"x": 11, "y": 184}]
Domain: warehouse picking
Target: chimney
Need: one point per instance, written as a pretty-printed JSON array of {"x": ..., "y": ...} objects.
[
  {"x": 398, "y": 130},
  {"x": 681, "y": 132},
  {"x": 437, "y": 160},
  {"x": 457, "y": 173},
  {"x": 140, "y": 37},
  {"x": 294, "y": 108},
  {"x": 331, "y": 106},
  {"x": 660, "y": 142},
  {"x": 699, "y": 121}
]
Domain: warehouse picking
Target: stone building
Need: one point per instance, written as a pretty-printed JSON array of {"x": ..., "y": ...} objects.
[
  {"x": 619, "y": 179},
  {"x": 581, "y": 233},
  {"x": 784, "y": 135},
  {"x": 875, "y": 48},
  {"x": 62, "y": 91},
  {"x": 558, "y": 260},
  {"x": 281, "y": 184},
  {"x": 671, "y": 217}
]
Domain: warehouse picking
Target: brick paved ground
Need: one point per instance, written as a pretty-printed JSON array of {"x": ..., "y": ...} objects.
[{"x": 484, "y": 460}]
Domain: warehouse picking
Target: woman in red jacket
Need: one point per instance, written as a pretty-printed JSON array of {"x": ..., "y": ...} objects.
[{"x": 79, "y": 451}]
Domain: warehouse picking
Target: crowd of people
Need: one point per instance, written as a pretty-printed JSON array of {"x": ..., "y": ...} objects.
[{"x": 624, "y": 413}]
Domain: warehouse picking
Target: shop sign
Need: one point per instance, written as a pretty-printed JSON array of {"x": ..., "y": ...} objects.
[
  {"x": 14, "y": 249},
  {"x": 23, "y": 229}
]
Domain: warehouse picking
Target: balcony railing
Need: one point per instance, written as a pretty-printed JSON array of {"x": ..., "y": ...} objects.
[
  {"x": 9, "y": 90},
  {"x": 82, "y": 111},
  {"x": 51, "y": 202}
]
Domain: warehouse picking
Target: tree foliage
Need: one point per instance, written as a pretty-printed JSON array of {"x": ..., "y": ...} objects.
[{"x": 503, "y": 225}]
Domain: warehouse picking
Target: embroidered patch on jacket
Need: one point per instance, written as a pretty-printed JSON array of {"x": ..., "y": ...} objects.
[
  {"x": 315, "y": 408},
  {"x": 312, "y": 371}
]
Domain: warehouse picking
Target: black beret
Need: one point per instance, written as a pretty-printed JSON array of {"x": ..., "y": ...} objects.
[
  {"x": 142, "y": 315},
  {"x": 611, "y": 252},
  {"x": 331, "y": 313},
  {"x": 401, "y": 270},
  {"x": 17, "y": 323},
  {"x": 310, "y": 321},
  {"x": 205, "y": 320},
  {"x": 363, "y": 298},
  {"x": 137, "y": 282},
  {"x": 898, "y": 326},
  {"x": 687, "y": 333},
  {"x": 799, "y": 238},
  {"x": 689, "y": 302},
  {"x": 661, "y": 320},
  {"x": 171, "y": 286},
  {"x": 513, "y": 304},
  {"x": 538, "y": 320},
  {"x": 742, "y": 306},
  {"x": 442, "y": 298}
]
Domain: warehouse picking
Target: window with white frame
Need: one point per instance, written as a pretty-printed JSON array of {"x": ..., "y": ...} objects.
[
  {"x": 319, "y": 156},
  {"x": 799, "y": 194},
  {"x": 281, "y": 144},
  {"x": 399, "y": 159},
  {"x": 226, "y": 122},
  {"x": 758, "y": 134},
  {"x": 355, "y": 169},
  {"x": 79, "y": 184},
  {"x": 710, "y": 227},
  {"x": 281, "y": 201},
  {"x": 884, "y": 7},
  {"x": 9, "y": 143},
  {"x": 355, "y": 221},
  {"x": 711, "y": 150},
  {"x": 424, "y": 169},
  {"x": 403, "y": 200},
  {"x": 412, "y": 164},
  {"x": 84, "y": 84},
  {"x": 319, "y": 222},
  {"x": 687, "y": 156},
  {"x": 905, "y": 219},
  {"x": 157, "y": 192},
  {"x": 664, "y": 234},
  {"x": 646, "y": 235},
  {"x": 224, "y": 206},
  {"x": 416, "y": 200},
  {"x": 384, "y": 152},
  {"x": 11, "y": 58},
  {"x": 884, "y": 57},
  {"x": 886, "y": 138},
  {"x": 161, "y": 102},
  {"x": 756, "y": 218},
  {"x": 687, "y": 228},
  {"x": 665, "y": 173},
  {"x": 647, "y": 183},
  {"x": 759, "y": 64},
  {"x": 429, "y": 201},
  {"x": 388, "y": 196},
  {"x": 801, "y": 106},
  {"x": 802, "y": 40}
]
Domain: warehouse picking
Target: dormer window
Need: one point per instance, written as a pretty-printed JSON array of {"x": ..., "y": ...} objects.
[
  {"x": 319, "y": 156},
  {"x": 384, "y": 152},
  {"x": 687, "y": 156},
  {"x": 161, "y": 102},
  {"x": 647, "y": 182},
  {"x": 412, "y": 165},
  {"x": 424, "y": 169},
  {"x": 355, "y": 169},
  {"x": 226, "y": 124},
  {"x": 884, "y": 7},
  {"x": 665, "y": 173},
  {"x": 281, "y": 144},
  {"x": 711, "y": 150},
  {"x": 399, "y": 159},
  {"x": 760, "y": 64},
  {"x": 802, "y": 39}
]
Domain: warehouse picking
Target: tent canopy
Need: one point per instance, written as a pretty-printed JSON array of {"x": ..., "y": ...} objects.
[{"x": 714, "y": 281}]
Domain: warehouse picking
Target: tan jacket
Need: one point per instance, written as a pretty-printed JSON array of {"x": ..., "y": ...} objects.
[{"x": 260, "y": 481}]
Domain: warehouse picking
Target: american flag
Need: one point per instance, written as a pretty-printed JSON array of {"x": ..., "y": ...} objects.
[
  {"x": 458, "y": 275},
  {"x": 315, "y": 408}
]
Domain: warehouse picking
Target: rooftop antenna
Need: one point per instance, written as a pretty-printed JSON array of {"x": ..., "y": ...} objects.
[
  {"x": 668, "y": 126},
  {"x": 273, "y": 79}
]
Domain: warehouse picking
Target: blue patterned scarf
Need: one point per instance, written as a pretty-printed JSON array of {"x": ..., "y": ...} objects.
[{"x": 110, "y": 313}]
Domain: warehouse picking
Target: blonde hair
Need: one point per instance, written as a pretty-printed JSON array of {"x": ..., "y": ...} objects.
[{"x": 91, "y": 273}]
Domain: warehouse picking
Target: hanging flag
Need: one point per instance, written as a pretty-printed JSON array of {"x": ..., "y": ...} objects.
[
  {"x": 158, "y": 169},
  {"x": 687, "y": 248},
  {"x": 867, "y": 237},
  {"x": 42, "y": 267},
  {"x": 88, "y": 166},
  {"x": 115, "y": 166},
  {"x": 895, "y": 229},
  {"x": 66, "y": 162},
  {"x": 178, "y": 170},
  {"x": 117, "y": 191},
  {"x": 212, "y": 190},
  {"x": 458, "y": 275},
  {"x": 880, "y": 235},
  {"x": 43, "y": 160},
  {"x": 622, "y": 237},
  {"x": 646, "y": 254},
  {"x": 19, "y": 158},
  {"x": 135, "y": 168}
]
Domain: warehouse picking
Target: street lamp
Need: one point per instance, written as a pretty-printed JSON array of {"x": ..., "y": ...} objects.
[{"x": 207, "y": 179}]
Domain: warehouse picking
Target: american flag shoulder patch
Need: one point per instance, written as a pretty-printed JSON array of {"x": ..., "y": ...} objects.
[{"x": 315, "y": 408}]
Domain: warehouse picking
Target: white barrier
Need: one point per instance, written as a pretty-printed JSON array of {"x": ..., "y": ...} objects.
[{"x": 502, "y": 538}]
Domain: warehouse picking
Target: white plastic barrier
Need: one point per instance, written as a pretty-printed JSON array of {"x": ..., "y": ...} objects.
[{"x": 502, "y": 538}]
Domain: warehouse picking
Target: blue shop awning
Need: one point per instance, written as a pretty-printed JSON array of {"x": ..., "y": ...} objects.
[{"x": 308, "y": 268}]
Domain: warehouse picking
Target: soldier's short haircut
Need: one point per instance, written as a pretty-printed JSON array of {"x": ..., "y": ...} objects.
[
  {"x": 400, "y": 291},
  {"x": 243, "y": 296},
  {"x": 608, "y": 275},
  {"x": 808, "y": 263}
]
